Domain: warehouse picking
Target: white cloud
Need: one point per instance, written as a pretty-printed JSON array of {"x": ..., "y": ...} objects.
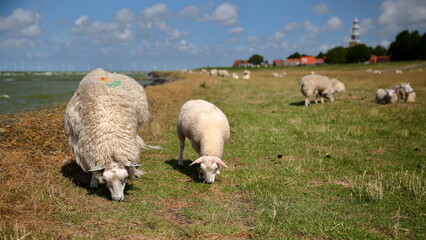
[
  {"x": 224, "y": 14},
  {"x": 322, "y": 9},
  {"x": 334, "y": 23},
  {"x": 385, "y": 43},
  {"x": 20, "y": 18},
  {"x": 20, "y": 43},
  {"x": 31, "y": 31},
  {"x": 157, "y": 10},
  {"x": 124, "y": 15},
  {"x": 291, "y": 26},
  {"x": 237, "y": 30},
  {"x": 186, "y": 47},
  {"x": 84, "y": 25},
  {"x": 277, "y": 36},
  {"x": 366, "y": 25},
  {"x": 190, "y": 11},
  {"x": 325, "y": 47},
  {"x": 398, "y": 15}
]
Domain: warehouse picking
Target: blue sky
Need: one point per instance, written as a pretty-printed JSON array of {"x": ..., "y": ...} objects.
[{"x": 159, "y": 35}]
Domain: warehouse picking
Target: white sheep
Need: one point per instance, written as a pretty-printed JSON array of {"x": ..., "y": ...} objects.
[
  {"x": 213, "y": 73},
  {"x": 398, "y": 71},
  {"x": 385, "y": 96},
  {"x": 207, "y": 127},
  {"x": 235, "y": 76},
  {"x": 378, "y": 72},
  {"x": 223, "y": 73},
  {"x": 246, "y": 74},
  {"x": 311, "y": 85},
  {"x": 101, "y": 122}
]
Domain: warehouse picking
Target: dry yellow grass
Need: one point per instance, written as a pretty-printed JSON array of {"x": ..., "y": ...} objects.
[{"x": 34, "y": 153}]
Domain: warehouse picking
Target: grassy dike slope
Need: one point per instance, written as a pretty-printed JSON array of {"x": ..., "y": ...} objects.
[{"x": 348, "y": 170}]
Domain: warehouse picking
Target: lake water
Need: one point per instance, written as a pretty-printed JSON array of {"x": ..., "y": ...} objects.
[{"x": 21, "y": 91}]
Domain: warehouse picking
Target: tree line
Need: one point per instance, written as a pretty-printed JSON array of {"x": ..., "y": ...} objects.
[{"x": 406, "y": 46}]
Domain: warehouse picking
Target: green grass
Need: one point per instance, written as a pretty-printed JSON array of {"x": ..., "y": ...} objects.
[{"x": 352, "y": 169}]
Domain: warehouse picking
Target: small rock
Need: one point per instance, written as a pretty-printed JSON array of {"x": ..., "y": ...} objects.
[
  {"x": 328, "y": 155},
  {"x": 279, "y": 156},
  {"x": 417, "y": 149}
]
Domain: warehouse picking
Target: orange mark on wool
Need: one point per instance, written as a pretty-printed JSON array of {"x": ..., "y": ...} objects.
[{"x": 104, "y": 79}]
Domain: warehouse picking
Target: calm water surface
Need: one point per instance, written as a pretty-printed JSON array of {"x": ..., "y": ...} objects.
[{"x": 28, "y": 91}]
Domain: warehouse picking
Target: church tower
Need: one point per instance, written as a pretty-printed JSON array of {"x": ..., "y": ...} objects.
[{"x": 355, "y": 33}]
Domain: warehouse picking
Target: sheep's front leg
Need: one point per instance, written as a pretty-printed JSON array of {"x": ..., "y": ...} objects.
[
  {"x": 322, "y": 100},
  {"x": 307, "y": 101},
  {"x": 94, "y": 182}
]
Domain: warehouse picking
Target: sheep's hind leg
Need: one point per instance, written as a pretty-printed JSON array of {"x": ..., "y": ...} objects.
[{"x": 181, "y": 148}]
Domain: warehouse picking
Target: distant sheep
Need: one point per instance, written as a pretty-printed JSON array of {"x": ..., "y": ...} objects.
[
  {"x": 246, "y": 74},
  {"x": 398, "y": 71},
  {"x": 311, "y": 85},
  {"x": 378, "y": 72},
  {"x": 386, "y": 96},
  {"x": 277, "y": 75},
  {"x": 207, "y": 127},
  {"x": 213, "y": 73},
  {"x": 223, "y": 73},
  {"x": 235, "y": 76},
  {"x": 101, "y": 121}
]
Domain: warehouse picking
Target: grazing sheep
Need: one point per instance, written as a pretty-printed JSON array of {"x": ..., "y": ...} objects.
[
  {"x": 403, "y": 91},
  {"x": 213, "y": 73},
  {"x": 101, "y": 122},
  {"x": 284, "y": 73},
  {"x": 235, "y": 76},
  {"x": 223, "y": 73},
  {"x": 369, "y": 70},
  {"x": 385, "y": 96},
  {"x": 398, "y": 71},
  {"x": 277, "y": 75},
  {"x": 378, "y": 72},
  {"x": 316, "y": 85},
  {"x": 207, "y": 128},
  {"x": 204, "y": 71},
  {"x": 246, "y": 74}
]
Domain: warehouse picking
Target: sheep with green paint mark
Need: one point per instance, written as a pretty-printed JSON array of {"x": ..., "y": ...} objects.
[{"x": 101, "y": 121}]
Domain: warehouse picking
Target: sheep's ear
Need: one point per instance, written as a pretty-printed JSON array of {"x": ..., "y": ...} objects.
[
  {"x": 221, "y": 163},
  {"x": 198, "y": 160},
  {"x": 96, "y": 169},
  {"x": 132, "y": 164}
]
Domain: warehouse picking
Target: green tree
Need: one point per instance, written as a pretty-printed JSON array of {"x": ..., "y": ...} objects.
[
  {"x": 358, "y": 53},
  {"x": 320, "y": 55},
  {"x": 294, "y": 55},
  {"x": 379, "y": 51},
  {"x": 256, "y": 59},
  {"x": 422, "y": 47},
  {"x": 406, "y": 46},
  {"x": 336, "y": 55}
]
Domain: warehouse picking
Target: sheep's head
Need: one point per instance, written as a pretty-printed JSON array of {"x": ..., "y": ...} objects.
[
  {"x": 114, "y": 175},
  {"x": 338, "y": 86},
  {"x": 209, "y": 168},
  {"x": 407, "y": 88}
]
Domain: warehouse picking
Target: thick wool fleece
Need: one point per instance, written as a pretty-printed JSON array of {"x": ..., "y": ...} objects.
[
  {"x": 205, "y": 125},
  {"x": 102, "y": 119},
  {"x": 311, "y": 84}
]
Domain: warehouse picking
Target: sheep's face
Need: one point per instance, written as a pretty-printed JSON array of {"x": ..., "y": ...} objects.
[
  {"x": 209, "y": 168},
  {"x": 407, "y": 88},
  {"x": 115, "y": 177}
]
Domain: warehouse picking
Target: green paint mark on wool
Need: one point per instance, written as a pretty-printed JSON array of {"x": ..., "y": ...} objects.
[{"x": 114, "y": 84}]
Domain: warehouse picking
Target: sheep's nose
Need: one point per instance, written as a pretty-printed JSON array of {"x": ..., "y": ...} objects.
[{"x": 119, "y": 199}]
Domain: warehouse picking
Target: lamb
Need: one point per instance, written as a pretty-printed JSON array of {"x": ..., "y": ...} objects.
[
  {"x": 405, "y": 92},
  {"x": 316, "y": 85},
  {"x": 385, "y": 96},
  {"x": 101, "y": 122},
  {"x": 207, "y": 127}
]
